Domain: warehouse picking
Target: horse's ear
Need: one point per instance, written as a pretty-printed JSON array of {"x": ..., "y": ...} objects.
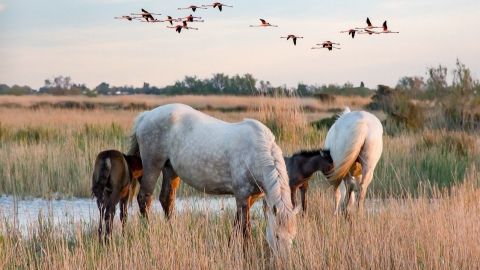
[{"x": 274, "y": 209}]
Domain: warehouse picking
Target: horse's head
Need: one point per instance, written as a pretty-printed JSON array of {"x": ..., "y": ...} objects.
[
  {"x": 281, "y": 229},
  {"x": 326, "y": 162}
]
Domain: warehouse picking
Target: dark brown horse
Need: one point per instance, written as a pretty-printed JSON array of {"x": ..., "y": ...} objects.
[
  {"x": 115, "y": 179},
  {"x": 301, "y": 166}
]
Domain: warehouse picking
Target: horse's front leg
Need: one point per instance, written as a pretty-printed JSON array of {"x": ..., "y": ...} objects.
[
  {"x": 338, "y": 198},
  {"x": 303, "y": 194},
  {"x": 242, "y": 220},
  {"x": 293, "y": 194}
]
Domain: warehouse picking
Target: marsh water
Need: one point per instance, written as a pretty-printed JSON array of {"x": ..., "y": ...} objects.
[{"x": 23, "y": 213}]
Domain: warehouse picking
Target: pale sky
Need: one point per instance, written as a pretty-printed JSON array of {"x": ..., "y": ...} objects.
[{"x": 79, "y": 38}]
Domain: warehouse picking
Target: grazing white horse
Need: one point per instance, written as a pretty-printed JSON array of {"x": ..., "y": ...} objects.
[
  {"x": 355, "y": 137},
  {"x": 214, "y": 157}
]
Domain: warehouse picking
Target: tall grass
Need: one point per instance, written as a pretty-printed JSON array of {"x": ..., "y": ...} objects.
[
  {"x": 437, "y": 231},
  {"x": 50, "y": 152},
  {"x": 423, "y": 210}
]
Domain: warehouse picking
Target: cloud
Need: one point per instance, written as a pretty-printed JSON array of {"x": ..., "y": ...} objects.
[{"x": 2, "y": 7}]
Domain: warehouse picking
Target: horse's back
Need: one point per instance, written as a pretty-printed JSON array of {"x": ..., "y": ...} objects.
[
  {"x": 359, "y": 128},
  {"x": 203, "y": 150},
  {"x": 348, "y": 122}
]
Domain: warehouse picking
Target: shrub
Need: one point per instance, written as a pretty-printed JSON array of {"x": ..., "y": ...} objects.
[
  {"x": 324, "y": 97},
  {"x": 401, "y": 111}
]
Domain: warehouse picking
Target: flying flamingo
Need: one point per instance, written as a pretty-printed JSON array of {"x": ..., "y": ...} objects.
[
  {"x": 369, "y": 26},
  {"x": 327, "y": 45},
  {"x": 217, "y": 5},
  {"x": 293, "y": 37},
  {"x": 191, "y": 18},
  {"x": 370, "y": 32},
  {"x": 178, "y": 28},
  {"x": 193, "y": 8},
  {"x": 352, "y": 32},
  {"x": 170, "y": 20},
  {"x": 264, "y": 24},
  {"x": 126, "y": 17},
  {"x": 148, "y": 16},
  {"x": 188, "y": 27},
  {"x": 385, "y": 29}
]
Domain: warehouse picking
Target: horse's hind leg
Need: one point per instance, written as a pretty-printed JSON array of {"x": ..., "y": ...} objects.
[
  {"x": 349, "y": 191},
  {"x": 366, "y": 179},
  {"x": 151, "y": 172},
  {"x": 109, "y": 214},
  {"x": 170, "y": 183},
  {"x": 101, "y": 210},
  {"x": 124, "y": 212}
]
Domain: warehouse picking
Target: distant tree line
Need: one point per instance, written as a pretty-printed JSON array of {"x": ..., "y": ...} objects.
[
  {"x": 218, "y": 84},
  {"x": 463, "y": 89}
]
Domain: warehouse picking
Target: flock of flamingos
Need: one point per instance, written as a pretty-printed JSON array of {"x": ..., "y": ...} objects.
[{"x": 149, "y": 17}]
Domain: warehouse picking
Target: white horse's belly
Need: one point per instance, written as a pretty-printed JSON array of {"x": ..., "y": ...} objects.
[{"x": 206, "y": 171}]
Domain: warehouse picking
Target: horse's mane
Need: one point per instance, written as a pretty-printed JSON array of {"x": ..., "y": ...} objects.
[
  {"x": 275, "y": 177},
  {"x": 311, "y": 153},
  {"x": 345, "y": 111}
]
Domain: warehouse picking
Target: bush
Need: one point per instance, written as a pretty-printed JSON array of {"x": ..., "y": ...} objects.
[
  {"x": 459, "y": 143},
  {"x": 324, "y": 97},
  {"x": 324, "y": 123},
  {"x": 401, "y": 111}
]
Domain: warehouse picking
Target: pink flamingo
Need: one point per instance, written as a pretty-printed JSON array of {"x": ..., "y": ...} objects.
[
  {"x": 369, "y": 26},
  {"x": 171, "y": 20},
  {"x": 193, "y": 8},
  {"x": 352, "y": 32},
  {"x": 385, "y": 29},
  {"x": 327, "y": 45},
  {"x": 264, "y": 24},
  {"x": 217, "y": 5},
  {"x": 126, "y": 17},
  {"x": 178, "y": 28},
  {"x": 148, "y": 16},
  {"x": 293, "y": 37},
  {"x": 191, "y": 18}
]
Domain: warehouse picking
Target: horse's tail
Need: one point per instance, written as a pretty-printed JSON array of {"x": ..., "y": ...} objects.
[
  {"x": 133, "y": 191},
  {"x": 345, "y": 155},
  {"x": 101, "y": 176},
  {"x": 134, "y": 149},
  {"x": 135, "y": 167}
]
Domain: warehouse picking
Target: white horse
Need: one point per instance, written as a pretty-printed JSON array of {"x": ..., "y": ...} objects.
[
  {"x": 214, "y": 157},
  {"x": 354, "y": 139}
]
